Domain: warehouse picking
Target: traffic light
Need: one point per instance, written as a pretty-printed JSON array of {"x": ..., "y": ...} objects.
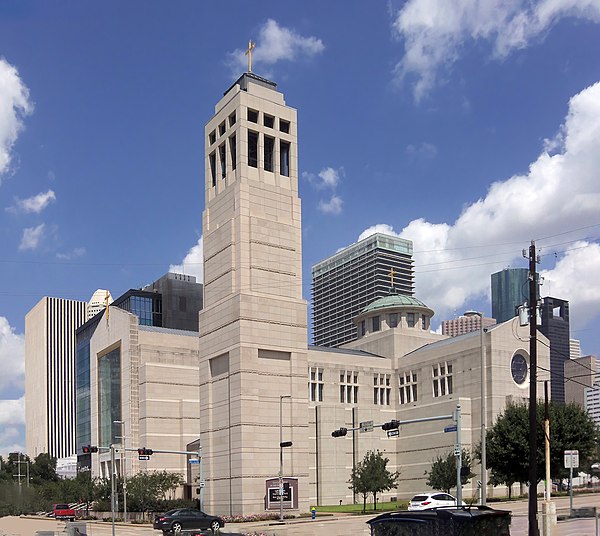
[
  {"x": 339, "y": 433},
  {"x": 285, "y": 444},
  {"x": 145, "y": 452},
  {"x": 88, "y": 449},
  {"x": 392, "y": 425}
]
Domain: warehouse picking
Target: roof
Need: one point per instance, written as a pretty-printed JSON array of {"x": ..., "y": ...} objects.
[
  {"x": 394, "y": 300},
  {"x": 352, "y": 351}
]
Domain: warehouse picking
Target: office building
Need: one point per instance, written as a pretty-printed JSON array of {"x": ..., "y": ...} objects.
[
  {"x": 580, "y": 374},
  {"x": 465, "y": 323},
  {"x": 50, "y": 376},
  {"x": 574, "y": 348},
  {"x": 510, "y": 288},
  {"x": 345, "y": 283},
  {"x": 98, "y": 302},
  {"x": 554, "y": 324}
]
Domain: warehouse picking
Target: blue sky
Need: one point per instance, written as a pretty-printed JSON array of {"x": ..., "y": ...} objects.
[{"x": 469, "y": 127}]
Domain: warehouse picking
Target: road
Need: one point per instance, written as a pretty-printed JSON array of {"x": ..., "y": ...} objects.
[{"x": 323, "y": 525}]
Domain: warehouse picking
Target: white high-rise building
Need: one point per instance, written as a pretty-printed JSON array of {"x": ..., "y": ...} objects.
[
  {"x": 99, "y": 301},
  {"x": 50, "y": 375}
]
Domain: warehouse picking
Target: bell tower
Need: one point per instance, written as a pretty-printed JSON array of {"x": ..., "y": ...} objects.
[{"x": 253, "y": 327}]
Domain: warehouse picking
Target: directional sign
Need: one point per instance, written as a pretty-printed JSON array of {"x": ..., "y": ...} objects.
[
  {"x": 457, "y": 450},
  {"x": 366, "y": 426},
  {"x": 144, "y": 457},
  {"x": 393, "y": 433},
  {"x": 193, "y": 460},
  {"x": 571, "y": 459},
  {"x": 451, "y": 428}
]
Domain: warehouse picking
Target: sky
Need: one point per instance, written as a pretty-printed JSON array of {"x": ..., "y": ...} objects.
[{"x": 470, "y": 127}]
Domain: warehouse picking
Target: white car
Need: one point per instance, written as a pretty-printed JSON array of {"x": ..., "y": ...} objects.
[{"x": 433, "y": 499}]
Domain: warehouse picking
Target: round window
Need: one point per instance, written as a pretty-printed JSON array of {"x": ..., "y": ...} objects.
[{"x": 518, "y": 368}]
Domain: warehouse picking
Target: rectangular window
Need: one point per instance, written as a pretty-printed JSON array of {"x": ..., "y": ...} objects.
[
  {"x": 442, "y": 379},
  {"x": 222, "y": 160},
  {"x": 363, "y": 328},
  {"x": 212, "y": 137},
  {"x": 109, "y": 396},
  {"x": 284, "y": 126},
  {"x": 252, "y": 149},
  {"x": 423, "y": 322},
  {"x": 269, "y": 150},
  {"x": 222, "y": 128},
  {"x": 269, "y": 120},
  {"x": 393, "y": 320},
  {"x": 382, "y": 391},
  {"x": 316, "y": 384},
  {"x": 349, "y": 387},
  {"x": 232, "y": 119},
  {"x": 252, "y": 116},
  {"x": 376, "y": 323},
  {"x": 410, "y": 320},
  {"x": 212, "y": 158},
  {"x": 284, "y": 158},
  {"x": 233, "y": 151}
]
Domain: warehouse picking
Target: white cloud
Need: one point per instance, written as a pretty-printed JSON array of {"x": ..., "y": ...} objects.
[
  {"x": 277, "y": 43},
  {"x": 434, "y": 31},
  {"x": 34, "y": 204},
  {"x": 333, "y": 206},
  {"x": 14, "y": 106},
  {"x": 73, "y": 254},
  {"x": 193, "y": 262},
  {"x": 12, "y": 439},
  {"x": 31, "y": 237},
  {"x": 12, "y": 412},
  {"x": 559, "y": 193},
  {"x": 12, "y": 359}
]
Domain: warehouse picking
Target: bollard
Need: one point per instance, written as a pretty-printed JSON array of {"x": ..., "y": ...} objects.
[{"x": 313, "y": 513}]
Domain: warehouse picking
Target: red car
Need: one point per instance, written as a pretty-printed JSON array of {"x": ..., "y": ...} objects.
[{"x": 63, "y": 511}]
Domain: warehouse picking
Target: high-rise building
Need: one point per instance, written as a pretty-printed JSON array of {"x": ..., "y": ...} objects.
[
  {"x": 574, "y": 348},
  {"x": 580, "y": 374},
  {"x": 98, "y": 302},
  {"x": 555, "y": 326},
  {"x": 50, "y": 375},
  {"x": 510, "y": 288},
  {"x": 465, "y": 324},
  {"x": 345, "y": 283}
]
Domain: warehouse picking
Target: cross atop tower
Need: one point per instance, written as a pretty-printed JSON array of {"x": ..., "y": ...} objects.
[
  {"x": 251, "y": 47},
  {"x": 392, "y": 274}
]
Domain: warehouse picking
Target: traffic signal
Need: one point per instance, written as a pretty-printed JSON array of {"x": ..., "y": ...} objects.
[
  {"x": 88, "y": 449},
  {"x": 145, "y": 452},
  {"x": 392, "y": 425},
  {"x": 339, "y": 433},
  {"x": 285, "y": 444}
]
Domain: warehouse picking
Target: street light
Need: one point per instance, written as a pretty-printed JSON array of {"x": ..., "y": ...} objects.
[
  {"x": 123, "y": 467},
  {"x": 281, "y": 447},
  {"x": 483, "y": 407}
]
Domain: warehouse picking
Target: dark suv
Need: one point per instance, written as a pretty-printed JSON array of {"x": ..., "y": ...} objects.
[{"x": 185, "y": 519}]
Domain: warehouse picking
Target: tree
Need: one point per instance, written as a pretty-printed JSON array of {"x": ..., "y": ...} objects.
[
  {"x": 43, "y": 469},
  {"x": 507, "y": 441},
  {"x": 442, "y": 475},
  {"x": 371, "y": 476},
  {"x": 143, "y": 489}
]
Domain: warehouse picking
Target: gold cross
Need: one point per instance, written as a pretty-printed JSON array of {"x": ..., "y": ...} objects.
[
  {"x": 251, "y": 47},
  {"x": 391, "y": 274},
  {"x": 106, "y": 307}
]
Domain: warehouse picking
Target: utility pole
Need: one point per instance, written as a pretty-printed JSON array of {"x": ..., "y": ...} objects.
[{"x": 532, "y": 498}]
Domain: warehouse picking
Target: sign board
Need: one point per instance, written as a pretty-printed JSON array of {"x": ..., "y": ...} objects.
[
  {"x": 571, "y": 459},
  {"x": 457, "y": 450},
  {"x": 366, "y": 426},
  {"x": 275, "y": 493},
  {"x": 144, "y": 457},
  {"x": 393, "y": 433},
  {"x": 451, "y": 428},
  {"x": 193, "y": 460}
]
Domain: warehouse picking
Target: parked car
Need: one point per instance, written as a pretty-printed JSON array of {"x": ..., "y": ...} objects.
[
  {"x": 433, "y": 499},
  {"x": 187, "y": 518},
  {"x": 63, "y": 511}
]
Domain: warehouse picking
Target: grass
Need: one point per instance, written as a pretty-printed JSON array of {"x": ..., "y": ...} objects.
[{"x": 358, "y": 508}]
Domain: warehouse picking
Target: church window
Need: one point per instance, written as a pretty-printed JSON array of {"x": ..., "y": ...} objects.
[
  {"x": 252, "y": 116},
  {"x": 393, "y": 320},
  {"x": 233, "y": 151},
  {"x": 269, "y": 120},
  {"x": 252, "y": 149},
  {"x": 348, "y": 387},
  {"x": 222, "y": 128},
  {"x": 222, "y": 160},
  {"x": 284, "y": 126},
  {"x": 232, "y": 119},
  {"x": 442, "y": 379},
  {"x": 410, "y": 320},
  {"x": 363, "y": 328},
  {"x": 423, "y": 322},
  {"x": 269, "y": 149},
  {"x": 213, "y": 167},
  {"x": 376, "y": 321},
  {"x": 408, "y": 390},
  {"x": 316, "y": 384},
  {"x": 382, "y": 389},
  {"x": 284, "y": 158},
  {"x": 212, "y": 137}
]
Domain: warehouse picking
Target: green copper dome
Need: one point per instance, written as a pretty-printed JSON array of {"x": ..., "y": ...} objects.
[{"x": 393, "y": 300}]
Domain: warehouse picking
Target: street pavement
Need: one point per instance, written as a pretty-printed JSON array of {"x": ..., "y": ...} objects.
[{"x": 342, "y": 525}]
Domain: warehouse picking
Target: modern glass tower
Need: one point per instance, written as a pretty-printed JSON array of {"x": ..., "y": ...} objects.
[
  {"x": 344, "y": 284},
  {"x": 509, "y": 290}
]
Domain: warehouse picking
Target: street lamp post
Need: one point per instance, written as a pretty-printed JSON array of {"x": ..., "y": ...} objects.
[
  {"x": 123, "y": 468},
  {"x": 281, "y": 445}
]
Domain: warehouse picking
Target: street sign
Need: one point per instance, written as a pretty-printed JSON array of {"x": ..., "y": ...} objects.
[
  {"x": 144, "y": 457},
  {"x": 571, "y": 459},
  {"x": 193, "y": 460},
  {"x": 366, "y": 426},
  {"x": 451, "y": 428},
  {"x": 393, "y": 433},
  {"x": 457, "y": 450}
]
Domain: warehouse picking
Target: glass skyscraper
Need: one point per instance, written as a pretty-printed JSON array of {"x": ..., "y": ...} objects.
[{"x": 510, "y": 288}]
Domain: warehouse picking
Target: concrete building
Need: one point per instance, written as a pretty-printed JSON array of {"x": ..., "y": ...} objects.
[
  {"x": 579, "y": 373},
  {"x": 554, "y": 325},
  {"x": 574, "y": 348},
  {"x": 509, "y": 290},
  {"x": 98, "y": 302},
  {"x": 465, "y": 324},
  {"x": 50, "y": 376},
  {"x": 345, "y": 283}
]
